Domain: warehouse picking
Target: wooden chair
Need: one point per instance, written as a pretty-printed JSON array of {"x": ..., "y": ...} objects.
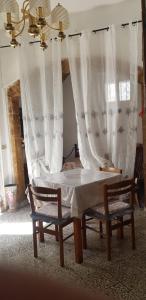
[
  {"x": 112, "y": 210},
  {"x": 51, "y": 212},
  {"x": 111, "y": 169},
  {"x": 105, "y": 169},
  {"x": 139, "y": 175}
]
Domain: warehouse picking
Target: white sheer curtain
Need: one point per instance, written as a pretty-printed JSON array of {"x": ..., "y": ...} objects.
[
  {"x": 8, "y": 75},
  {"x": 2, "y": 191},
  {"x": 42, "y": 106},
  {"x": 122, "y": 96},
  {"x": 6, "y": 170},
  {"x": 104, "y": 81}
]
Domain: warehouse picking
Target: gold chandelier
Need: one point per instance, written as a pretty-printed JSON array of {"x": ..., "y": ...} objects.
[{"x": 36, "y": 17}]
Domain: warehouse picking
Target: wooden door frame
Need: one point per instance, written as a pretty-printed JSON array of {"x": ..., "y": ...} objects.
[
  {"x": 143, "y": 6},
  {"x": 13, "y": 95}
]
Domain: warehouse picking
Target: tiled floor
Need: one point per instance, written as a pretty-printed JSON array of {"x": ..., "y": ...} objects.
[{"x": 123, "y": 278}]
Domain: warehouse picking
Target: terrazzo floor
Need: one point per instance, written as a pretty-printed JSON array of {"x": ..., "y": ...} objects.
[{"x": 122, "y": 278}]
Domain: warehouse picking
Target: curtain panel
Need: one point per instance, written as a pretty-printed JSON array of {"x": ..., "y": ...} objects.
[
  {"x": 3, "y": 204},
  {"x": 42, "y": 107},
  {"x": 103, "y": 68},
  {"x": 8, "y": 75}
]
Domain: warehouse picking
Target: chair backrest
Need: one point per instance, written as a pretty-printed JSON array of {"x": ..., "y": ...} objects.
[
  {"x": 115, "y": 190},
  {"x": 45, "y": 195},
  {"x": 111, "y": 169},
  {"x": 138, "y": 168}
]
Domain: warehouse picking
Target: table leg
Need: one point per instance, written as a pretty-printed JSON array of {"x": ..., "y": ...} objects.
[{"x": 78, "y": 241}]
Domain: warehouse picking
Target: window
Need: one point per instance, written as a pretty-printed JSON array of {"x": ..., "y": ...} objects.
[
  {"x": 111, "y": 92},
  {"x": 124, "y": 91}
]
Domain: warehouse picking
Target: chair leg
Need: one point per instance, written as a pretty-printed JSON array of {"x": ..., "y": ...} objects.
[
  {"x": 133, "y": 231},
  {"x": 41, "y": 233},
  {"x": 34, "y": 239},
  {"x": 136, "y": 199},
  {"x": 61, "y": 246},
  {"x": 120, "y": 231},
  {"x": 56, "y": 231},
  {"x": 84, "y": 232},
  {"x": 108, "y": 236},
  {"x": 101, "y": 229}
]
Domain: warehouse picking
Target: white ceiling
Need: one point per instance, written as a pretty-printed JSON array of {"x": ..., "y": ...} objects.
[{"x": 82, "y": 5}]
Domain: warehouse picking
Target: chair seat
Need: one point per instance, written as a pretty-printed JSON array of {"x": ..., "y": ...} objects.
[
  {"x": 49, "y": 212},
  {"x": 115, "y": 208}
]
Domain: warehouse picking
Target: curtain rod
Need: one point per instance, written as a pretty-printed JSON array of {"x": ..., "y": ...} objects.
[
  {"x": 95, "y": 30},
  {"x": 105, "y": 28},
  {"x": 80, "y": 33}
]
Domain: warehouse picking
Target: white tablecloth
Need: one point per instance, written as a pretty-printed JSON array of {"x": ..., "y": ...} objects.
[{"x": 80, "y": 188}]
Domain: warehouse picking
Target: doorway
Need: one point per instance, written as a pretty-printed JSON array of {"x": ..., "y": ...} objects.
[{"x": 16, "y": 139}]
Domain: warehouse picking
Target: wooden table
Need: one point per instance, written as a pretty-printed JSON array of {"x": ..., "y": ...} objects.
[{"x": 80, "y": 189}]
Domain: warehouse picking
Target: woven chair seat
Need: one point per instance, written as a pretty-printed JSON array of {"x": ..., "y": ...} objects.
[
  {"x": 51, "y": 210},
  {"x": 115, "y": 208}
]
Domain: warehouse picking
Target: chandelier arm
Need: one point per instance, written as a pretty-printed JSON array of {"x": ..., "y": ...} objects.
[
  {"x": 52, "y": 27},
  {"x": 19, "y": 22},
  {"x": 20, "y": 30},
  {"x": 25, "y": 2},
  {"x": 24, "y": 11}
]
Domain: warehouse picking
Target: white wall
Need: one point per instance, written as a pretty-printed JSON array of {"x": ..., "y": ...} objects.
[{"x": 129, "y": 10}]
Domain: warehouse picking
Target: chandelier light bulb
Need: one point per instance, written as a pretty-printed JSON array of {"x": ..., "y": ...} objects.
[
  {"x": 9, "y": 6},
  {"x": 60, "y": 14},
  {"x": 36, "y": 5}
]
